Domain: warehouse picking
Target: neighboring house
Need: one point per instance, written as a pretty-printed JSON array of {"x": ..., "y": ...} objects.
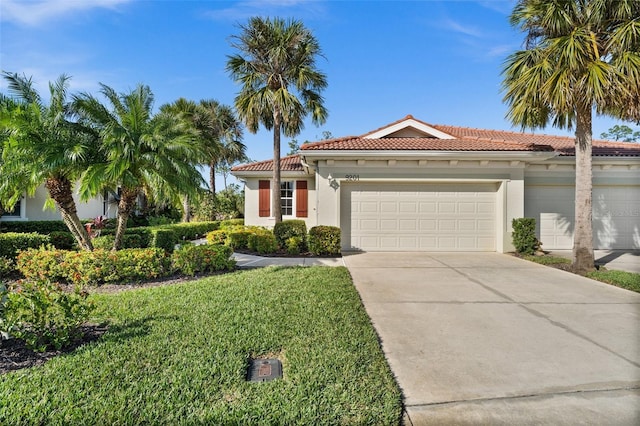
[
  {"x": 412, "y": 186},
  {"x": 32, "y": 208}
]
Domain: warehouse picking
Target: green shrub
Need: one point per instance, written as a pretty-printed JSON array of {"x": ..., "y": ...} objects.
[
  {"x": 44, "y": 315},
  {"x": 44, "y": 227},
  {"x": 294, "y": 245},
  {"x": 263, "y": 242},
  {"x": 62, "y": 240},
  {"x": 95, "y": 267},
  {"x": 7, "y": 267},
  {"x": 290, "y": 228},
  {"x": 230, "y": 223},
  {"x": 43, "y": 264},
  {"x": 191, "y": 259},
  {"x": 239, "y": 239},
  {"x": 324, "y": 240},
  {"x": 160, "y": 220},
  {"x": 165, "y": 239},
  {"x": 105, "y": 242},
  {"x": 524, "y": 235},
  {"x": 192, "y": 230},
  {"x": 217, "y": 237},
  {"x": 12, "y": 242}
]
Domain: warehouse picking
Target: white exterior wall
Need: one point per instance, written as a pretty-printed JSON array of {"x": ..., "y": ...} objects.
[
  {"x": 251, "y": 200},
  {"x": 34, "y": 208},
  {"x": 549, "y": 198},
  {"x": 507, "y": 175}
]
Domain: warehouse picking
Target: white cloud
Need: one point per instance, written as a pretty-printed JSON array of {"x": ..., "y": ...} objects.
[
  {"x": 248, "y": 8},
  {"x": 457, "y": 27},
  {"x": 34, "y": 12}
]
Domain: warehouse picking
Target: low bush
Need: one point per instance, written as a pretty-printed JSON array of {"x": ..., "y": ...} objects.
[
  {"x": 191, "y": 259},
  {"x": 12, "y": 242},
  {"x": 7, "y": 267},
  {"x": 524, "y": 235},
  {"x": 105, "y": 242},
  {"x": 62, "y": 240},
  {"x": 95, "y": 267},
  {"x": 239, "y": 239},
  {"x": 294, "y": 245},
  {"x": 192, "y": 230},
  {"x": 262, "y": 241},
  {"x": 165, "y": 239},
  {"x": 44, "y": 315},
  {"x": 230, "y": 223},
  {"x": 43, "y": 264},
  {"x": 39, "y": 226},
  {"x": 217, "y": 237},
  {"x": 324, "y": 240},
  {"x": 290, "y": 228}
]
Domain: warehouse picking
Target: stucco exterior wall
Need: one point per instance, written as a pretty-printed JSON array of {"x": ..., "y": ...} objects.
[
  {"x": 509, "y": 177},
  {"x": 251, "y": 200}
]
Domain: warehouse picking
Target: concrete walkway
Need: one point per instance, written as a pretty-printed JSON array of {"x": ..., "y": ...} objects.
[
  {"x": 485, "y": 338},
  {"x": 250, "y": 261}
]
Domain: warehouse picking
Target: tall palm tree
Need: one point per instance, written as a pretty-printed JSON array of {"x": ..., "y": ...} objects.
[
  {"x": 142, "y": 152},
  {"x": 276, "y": 66},
  {"x": 580, "y": 56},
  {"x": 44, "y": 146}
]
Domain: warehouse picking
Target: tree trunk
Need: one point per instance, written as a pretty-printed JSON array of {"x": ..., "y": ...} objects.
[
  {"x": 583, "y": 259},
  {"x": 276, "y": 201},
  {"x": 125, "y": 206},
  {"x": 186, "y": 209},
  {"x": 60, "y": 191},
  {"x": 212, "y": 178}
]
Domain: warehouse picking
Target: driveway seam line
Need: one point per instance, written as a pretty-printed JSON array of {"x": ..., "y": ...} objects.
[
  {"x": 539, "y": 314},
  {"x": 533, "y": 395}
]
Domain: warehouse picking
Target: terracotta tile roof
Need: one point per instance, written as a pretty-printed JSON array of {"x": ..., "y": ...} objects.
[
  {"x": 290, "y": 163},
  {"x": 562, "y": 144},
  {"x": 423, "y": 144}
]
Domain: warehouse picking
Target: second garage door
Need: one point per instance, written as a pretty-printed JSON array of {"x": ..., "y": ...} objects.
[{"x": 418, "y": 217}]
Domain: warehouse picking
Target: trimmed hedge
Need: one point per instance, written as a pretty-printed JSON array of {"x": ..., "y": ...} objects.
[
  {"x": 217, "y": 237},
  {"x": 231, "y": 223},
  {"x": 290, "y": 228},
  {"x": 39, "y": 226},
  {"x": 262, "y": 241},
  {"x": 239, "y": 239},
  {"x": 165, "y": 239},
  {"x": 12, "y": 242},
  {"x": 192, "y": 230},
  {"x": 96, "y": 267},
  {"x": 62, "y": 240},
  {"x": 105, "y": 242},
  {"x": 191, "y": 259},
  {"x": 324, "y": 240},
  {"x": 524, "y": 235}
]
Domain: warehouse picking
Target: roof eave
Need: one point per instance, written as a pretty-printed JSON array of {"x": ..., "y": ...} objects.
[{"x": 429, "y": 154}]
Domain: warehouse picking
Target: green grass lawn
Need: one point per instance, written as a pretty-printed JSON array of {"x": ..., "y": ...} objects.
[
  {"x": 178, "y": 355},
  {"x": 627, "y": 280}
]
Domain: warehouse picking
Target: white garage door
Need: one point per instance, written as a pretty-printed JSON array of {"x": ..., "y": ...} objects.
[
  {"x": 417, "y": 217},
  {"x": 616, "y": 216}
]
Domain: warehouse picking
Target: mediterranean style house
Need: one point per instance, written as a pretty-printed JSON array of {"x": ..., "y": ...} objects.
[{"x": 412, "y": 186}]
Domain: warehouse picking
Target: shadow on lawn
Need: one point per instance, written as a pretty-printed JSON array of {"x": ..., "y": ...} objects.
[{"x": 119, "y": 333}]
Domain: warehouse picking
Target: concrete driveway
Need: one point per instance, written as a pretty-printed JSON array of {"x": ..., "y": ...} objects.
[{"x": 485, "y": 338}]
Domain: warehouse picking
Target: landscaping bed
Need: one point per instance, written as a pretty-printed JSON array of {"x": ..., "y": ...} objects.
[{"x": 179, "y": 354}]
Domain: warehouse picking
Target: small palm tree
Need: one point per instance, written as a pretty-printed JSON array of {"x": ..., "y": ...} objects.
[
  {"x": 579, "y": 56},
  {"x": 44, "y": 146},
  {"x": 142, "y": 153},
  {"x": 276, "y": 66}
]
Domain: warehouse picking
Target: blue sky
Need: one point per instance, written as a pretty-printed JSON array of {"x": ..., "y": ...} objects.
[{"x": 437, "y": 60}]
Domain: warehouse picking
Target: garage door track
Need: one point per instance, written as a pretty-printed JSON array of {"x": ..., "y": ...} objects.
[{"x": 486, "y": 338}]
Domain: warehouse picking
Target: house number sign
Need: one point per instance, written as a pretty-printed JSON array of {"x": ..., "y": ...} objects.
[{"x": 352, "y": 178}]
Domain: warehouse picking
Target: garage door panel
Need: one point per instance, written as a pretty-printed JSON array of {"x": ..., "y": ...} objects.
[
  {"x": 440, "y": 217},
  {"x": 616, "y": 216}
]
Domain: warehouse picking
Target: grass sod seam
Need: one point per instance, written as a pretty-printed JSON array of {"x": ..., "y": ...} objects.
[{"x": 178, "y": 354}]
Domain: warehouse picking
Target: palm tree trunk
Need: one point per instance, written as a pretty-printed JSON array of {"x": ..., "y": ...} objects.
[
  {"x": 125, "y": 206},
  {"x": 212, "y": 178},
  {"x": 276, "y": 201},
  {"x": 186, "y": 209},
  {"x": 583, "y": 258},
  {"x": 60, "y": 191}
]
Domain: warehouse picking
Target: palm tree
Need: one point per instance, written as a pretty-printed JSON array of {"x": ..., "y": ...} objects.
[
  {"x": 276, "y": 66},
  {"x": 580, "y": 56},
  {"x": 44, "y": 146},
  {"x": 142, "y": 153}
]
